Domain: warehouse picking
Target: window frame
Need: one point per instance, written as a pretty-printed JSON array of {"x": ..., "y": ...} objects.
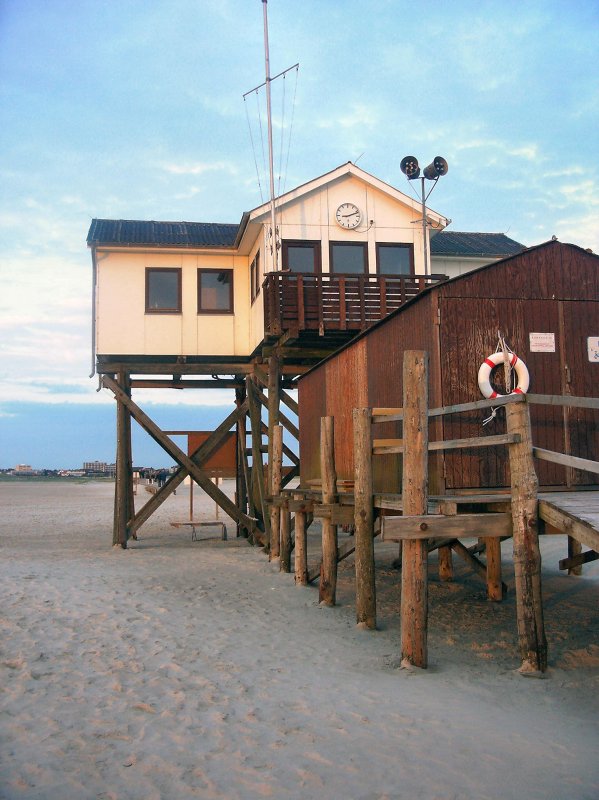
[
  {"x": 178, "y": 309},
  {"x": 212, "y": 311},
  {"x": 255, "y": 276},
  {"x": 405, "y": 246},
  {"x": 362, "y": 245},
  {"x": 314, "y": 244}
]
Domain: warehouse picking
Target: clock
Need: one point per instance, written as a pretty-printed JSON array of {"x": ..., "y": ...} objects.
[{"x": 348, "y": 216}]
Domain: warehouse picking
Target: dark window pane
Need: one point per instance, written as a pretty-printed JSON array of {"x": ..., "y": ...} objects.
[
  {"x": 163, "y": 290},
  {"x": 215, "y": 290},
  {"x": 348, "y": 259},
  {"x": 300, "y": 259},
  {"x": 394, "y": 260}
]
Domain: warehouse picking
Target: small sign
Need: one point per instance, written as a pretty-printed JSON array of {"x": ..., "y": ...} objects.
[
  {"x": 542, "y": 342},
  {"x": 593, "y": 348}
]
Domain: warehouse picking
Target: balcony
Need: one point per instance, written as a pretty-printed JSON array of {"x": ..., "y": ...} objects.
[{"x": 325, "y": 303}]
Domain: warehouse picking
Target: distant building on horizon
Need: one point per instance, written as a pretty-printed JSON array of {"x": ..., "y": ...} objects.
[
  {"x": 99, "y": 467},
  {"x": 24, "y": 469}
]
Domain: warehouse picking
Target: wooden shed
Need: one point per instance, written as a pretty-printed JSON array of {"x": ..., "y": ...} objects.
[{"x": 544, "y": 301}]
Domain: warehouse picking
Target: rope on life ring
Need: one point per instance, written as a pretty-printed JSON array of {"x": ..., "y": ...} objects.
[{"x": 489, "y": 364}]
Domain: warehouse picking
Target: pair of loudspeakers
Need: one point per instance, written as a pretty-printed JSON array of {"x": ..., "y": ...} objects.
[{"x": 438, "y": 167}]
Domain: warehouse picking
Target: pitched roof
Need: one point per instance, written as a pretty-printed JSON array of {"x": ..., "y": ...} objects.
[
  {"x": 131, "y": 232},
  {"x": 458, "y": 243}
]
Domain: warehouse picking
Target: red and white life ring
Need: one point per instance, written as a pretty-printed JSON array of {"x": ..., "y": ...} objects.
[{"x": 489, "y": 364}]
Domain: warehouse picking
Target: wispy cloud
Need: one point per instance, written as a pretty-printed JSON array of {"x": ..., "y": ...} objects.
[{"x": 200, "y": 167}]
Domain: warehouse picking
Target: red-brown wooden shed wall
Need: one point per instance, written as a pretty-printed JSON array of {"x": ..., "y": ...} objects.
[{"x": 550, "y": 289}]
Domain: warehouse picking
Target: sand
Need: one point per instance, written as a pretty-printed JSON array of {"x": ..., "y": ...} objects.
[{"x": 180, "y": 669}]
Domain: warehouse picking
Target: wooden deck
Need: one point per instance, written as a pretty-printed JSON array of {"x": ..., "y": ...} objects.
[{"x": 573, "y": 513}]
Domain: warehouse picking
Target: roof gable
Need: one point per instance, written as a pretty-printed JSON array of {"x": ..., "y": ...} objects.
[{"x": 348, "y": 169}]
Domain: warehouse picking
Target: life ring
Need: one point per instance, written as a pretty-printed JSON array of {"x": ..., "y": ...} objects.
[{"x": 489, "y": 364}]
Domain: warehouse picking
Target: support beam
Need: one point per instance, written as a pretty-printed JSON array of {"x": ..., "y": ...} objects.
[
  {"x": 414, "y": 578},
  {"x": 123, "y": 507},
  {"x": 327, "y": 592},
  {"x": 301, "y": 546},
  {"x": 285, "y": 533},
  {"x": 527, "y": 556},
  {"x": 276, "y": 466},
  {"x": 201, "y": 478},
  {"x": 199, "y": 457},
  {"x": 257, "y": 473},
  {"x": 364, "y": 520}
]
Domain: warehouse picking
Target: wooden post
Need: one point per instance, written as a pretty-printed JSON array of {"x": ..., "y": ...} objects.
[
  {"x": 494, "y": 584},
  {"x": 574, "y": 549},
  {"x": 445, "y": 563},
  {"x": 363, "y": 520},
  {"x": 274, "y": 403},
  {"x": 285, "y": 530},
  {"x": 257, "y": 477},
  {"x": 275, "y": 470},
  {"x": 527, "y": 556},
  {"x": 327, "y": 591},
  {"x": 241, "y": 487},
  {"x": 122, "y": 504},
  {"x": 301, "y": 546},
  {"x": 414, "y": 578}
]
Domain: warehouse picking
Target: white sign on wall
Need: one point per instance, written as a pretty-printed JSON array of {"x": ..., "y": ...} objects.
[
  {"x": 593, "y": 348},
  {"x": 542, "y": 342}
]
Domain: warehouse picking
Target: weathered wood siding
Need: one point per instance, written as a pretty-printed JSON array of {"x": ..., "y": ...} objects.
[{"x": 553, "y": 288}]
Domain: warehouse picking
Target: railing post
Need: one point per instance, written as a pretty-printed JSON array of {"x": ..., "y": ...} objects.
[
  {"x": 527, "y": 556},
  {"x": 363, "y": 518},
  {"x": 327, "y": 592},
  {"x": 414, "y": 578}
]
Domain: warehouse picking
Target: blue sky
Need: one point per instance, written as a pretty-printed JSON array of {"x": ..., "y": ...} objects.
[{"x": 134, "y": 110}]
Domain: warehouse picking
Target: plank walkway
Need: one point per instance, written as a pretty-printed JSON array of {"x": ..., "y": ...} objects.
[{"x": 574, "y": 513}]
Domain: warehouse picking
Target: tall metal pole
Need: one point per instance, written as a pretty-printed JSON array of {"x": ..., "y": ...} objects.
[
  {"x": 275, "y": 258},
  {"x": 424, "y": 241}
]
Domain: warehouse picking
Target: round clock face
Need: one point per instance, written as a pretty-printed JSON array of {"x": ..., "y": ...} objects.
[{"x": 348, "y": 216}]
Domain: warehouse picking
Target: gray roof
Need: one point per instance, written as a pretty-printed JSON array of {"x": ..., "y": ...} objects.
[
  {"x": 457, "y": 243},
  {"x": 130, "y": 232}
]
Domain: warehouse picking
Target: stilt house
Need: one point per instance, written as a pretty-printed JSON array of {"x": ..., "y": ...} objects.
[{"x": 206, "y": 305}]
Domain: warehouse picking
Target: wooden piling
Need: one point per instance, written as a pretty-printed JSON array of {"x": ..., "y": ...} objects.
[
  {"x": 275, "y": 472},
  {"x": 364, "y": 519},
  {"x": 445, "y": 563},
  {"x": 301, "y": 546},
  {"x": 285, "y": 530},
  {"x": 494, "y": 584},
  {"x": 327, "y": 592},
  {"x": 527, "y": 556},
  {"x": 123, "y": 509},
  {"x": 414, "y": 578}
]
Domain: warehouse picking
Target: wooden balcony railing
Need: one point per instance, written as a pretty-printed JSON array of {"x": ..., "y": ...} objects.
[{"x": 323, "y": 303}]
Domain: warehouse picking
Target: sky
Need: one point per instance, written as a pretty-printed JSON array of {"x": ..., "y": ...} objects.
[{"x": 135, "y": 110}]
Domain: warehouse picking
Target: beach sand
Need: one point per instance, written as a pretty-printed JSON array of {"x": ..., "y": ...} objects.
[{"x": 179, "y": 669}]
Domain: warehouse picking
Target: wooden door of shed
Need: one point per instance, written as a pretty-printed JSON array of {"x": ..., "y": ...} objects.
[
  {"x": 468, "y": 334},
  {"x": 579, "y": 321}
]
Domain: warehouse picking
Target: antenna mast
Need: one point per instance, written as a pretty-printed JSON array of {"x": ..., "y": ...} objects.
[{"x": 273, "y": 232}]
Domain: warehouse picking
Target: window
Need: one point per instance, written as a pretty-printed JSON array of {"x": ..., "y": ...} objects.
[
  {"x": 255, "y": 276},
  {"x": 349, "y": 258},
  {"x": 163, "y": 291},
  {"x": 215, "y": 291},
  {"x": 395, "y": 259},
  {"x": 301, "y": 257}
]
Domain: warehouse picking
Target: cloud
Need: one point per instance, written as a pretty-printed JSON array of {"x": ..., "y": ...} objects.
[{"x": 200, "y": 167}]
